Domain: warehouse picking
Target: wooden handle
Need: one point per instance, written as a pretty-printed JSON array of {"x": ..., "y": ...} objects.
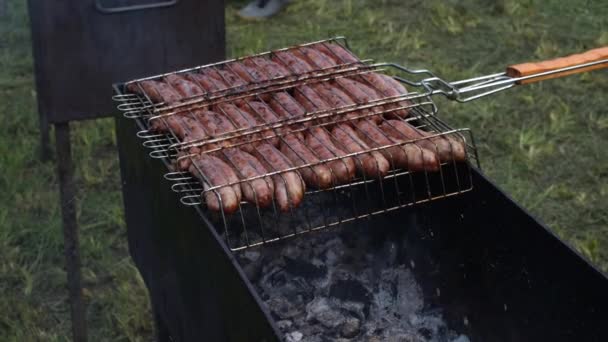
[{"x": 528, "y": 69}]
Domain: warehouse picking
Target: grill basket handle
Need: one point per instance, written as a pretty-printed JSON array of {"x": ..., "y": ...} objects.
[
  {"x": 131, "y": 8},
  {"x": 559, "y": 67}
]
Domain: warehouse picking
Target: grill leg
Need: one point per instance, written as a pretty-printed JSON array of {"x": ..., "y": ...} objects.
[
  {"x": 3, "y": 8},
  {"x": 45, "y": 140},
  {"x": 70, "y": 230},
  {"x": 162, "y": 332}
]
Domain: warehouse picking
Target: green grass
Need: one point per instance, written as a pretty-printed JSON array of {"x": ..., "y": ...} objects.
[{"x": 543, "y": 143}]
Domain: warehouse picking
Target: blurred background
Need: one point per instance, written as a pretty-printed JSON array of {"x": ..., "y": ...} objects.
[{"x": 543, "y": 143}]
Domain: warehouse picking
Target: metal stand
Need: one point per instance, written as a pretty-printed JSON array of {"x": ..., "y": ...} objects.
[
  {"x": 65, "y": 171},
  {"x": 45, "y": 140},
  {"x": 3, "y": 8}
]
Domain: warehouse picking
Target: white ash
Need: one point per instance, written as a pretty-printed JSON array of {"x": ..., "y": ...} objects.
[{"x": 331, "y": 287}]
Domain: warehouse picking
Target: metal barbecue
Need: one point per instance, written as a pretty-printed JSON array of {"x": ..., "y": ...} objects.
[{"x": 406, "y": 181}]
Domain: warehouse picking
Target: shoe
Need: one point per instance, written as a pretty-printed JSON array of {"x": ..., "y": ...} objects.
[{"x": 262, "y": 9}]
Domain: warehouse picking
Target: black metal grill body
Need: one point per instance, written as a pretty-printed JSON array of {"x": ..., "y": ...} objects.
[
  {"x": 502, "y": 275},
  {"x": 82, "y": 46}
]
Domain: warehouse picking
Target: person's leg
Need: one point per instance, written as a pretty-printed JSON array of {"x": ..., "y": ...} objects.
[{"x": 260, "y": 9}]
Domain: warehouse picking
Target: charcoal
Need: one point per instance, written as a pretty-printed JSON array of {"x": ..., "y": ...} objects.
[
  {"x": 332, "y": 286},
  {"x": 304, "y": 268},
  {"x": 282, "y": 308},
  {"x": 349, "y": 290},
  {"x": 321, "y": 311},
  {"x": 351, "y": 327},
  {"x": 407, "y": 337},
  {"x": 461, "y": 338},
  {"x": 284, "y": 324},
  {"x": 295, "y": 336}
]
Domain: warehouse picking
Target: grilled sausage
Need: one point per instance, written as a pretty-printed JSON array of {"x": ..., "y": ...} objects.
[
  {"x": 394, "y": 84},
  {"x": 375, "y": 94},
  {"x": 390, "y": 87},
  {"x": 291, "y": 146},
  {"x": 192, "y": 129},
  {"x": 446, "y": 149},
  {"x": 361, "y": 94},
  {"x": 226, "y": 77},
  {"x": 310, "y": 99},
  {"x": 319, "y": 141},
  {"x": 212, "y": 172},
  {"x": 409, "y": 156},
  {"x": 371, "y": 164},
  {"x": 208, "y": 83},
  {"x": 286, "y": 106},
  {"x": 337, "y": 98},
  {"x": 156, "y": 91},
  {"x": 254, "y": 113},
  {"x": 239, "y": 118},
  {"x": 248, "y": 74},
  {"x": 290, "y": 61},
  {"x": 260, "y": 112},
  {"x": 214, "y": 123},
  {"x": 336, "y": 52},
  {"x": 289, "y": 188},
  {"x": 315, "y": 58},
  {"x": 183, "y": 86},
  {"x": 269, "y": 68},
  {"x": 258, "y": 191},
  {"x": 317, "y": 176}
]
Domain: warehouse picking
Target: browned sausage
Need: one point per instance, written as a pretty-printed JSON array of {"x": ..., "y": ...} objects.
[
  {"x": 258, "y": 191},
  {"x": 193, "y": 130},
  {"x": 446, "y": 149},
  {"x": 208, "y": 83},
  {"x": 372, "y": 164},
  {"x": 289, "y": 187},
  {"x": 310, "y": 99},
  {"x": 409, "y": 156},
  {"x": 217, "y": 125},
  {"x": 315, "y": 58},
  {"x": 320, "y": 142},
  {"x": 317, "y": 176},
  {"x": 291, "y": 146},
  {"x": 226, "y": 77},
  {"x": 190, "y": 130},
  {"x": 293, "y": 63},
  {"x": 389, "y": 87},
  {"x": 184, "y": 87},
  {"x": 337, "y": 98},
  {"x": 212, "y": 171},
  {"x": 255, "y": 191},
  {"x": 248, "y": 74},
  {"x": 156, "y": 91},
  {"x": 336, "y": 52},
  {"x": 376, "y": 95},
  {"x": 255, "y": 113},
  {"x": 286, "y": 106},
  {"x": 361, "y": 94},
  {"x": 270, "y": 69},
  {"x": 394, "y": 84},
  {"x": 239, "y": 118}
]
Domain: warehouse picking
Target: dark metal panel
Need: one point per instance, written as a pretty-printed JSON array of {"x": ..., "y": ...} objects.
[
  {"x": 501, "y": 275},
  {"x": 79, "y": 51},
  {"x": 198, "y": 291}
]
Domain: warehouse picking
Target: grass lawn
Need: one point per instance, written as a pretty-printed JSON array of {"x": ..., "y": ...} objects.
[{"x": 544, "y": 143}]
